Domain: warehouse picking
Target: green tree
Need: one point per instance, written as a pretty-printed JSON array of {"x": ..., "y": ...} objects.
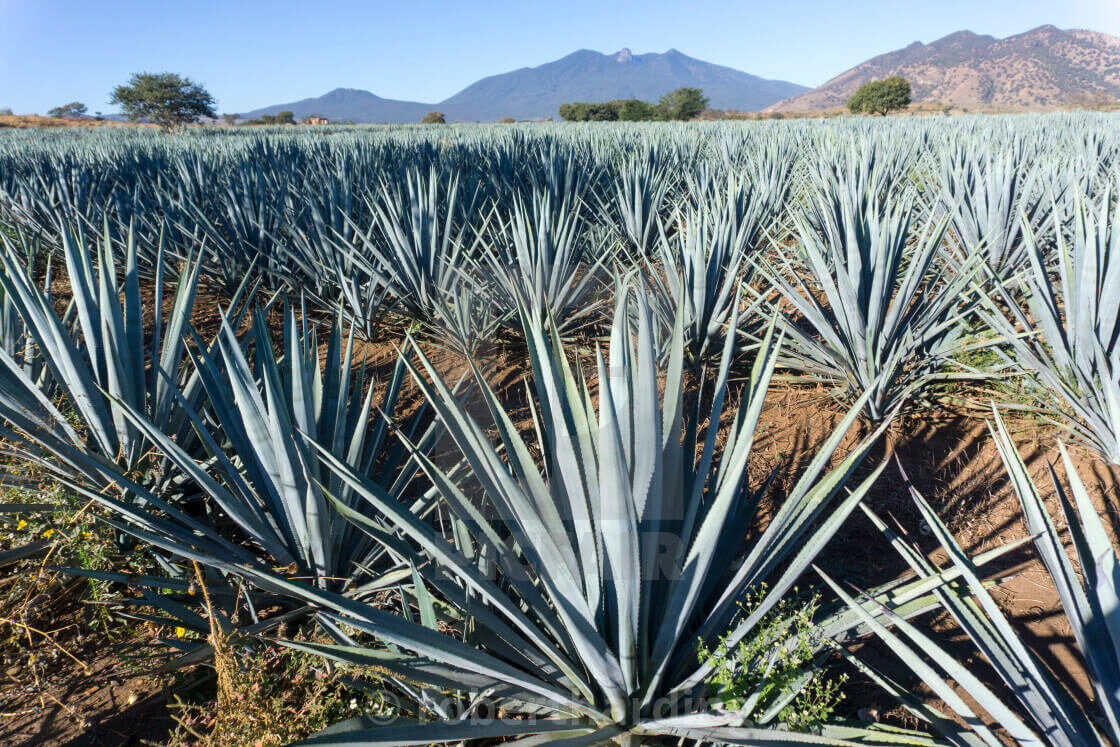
[
  {"x": 682, "y": 104},
  {"x": 575, "y": 112},
  {"x": 167, "y": 99},
  {"x": 230, "y": 118},
  {"x": 606, "y": 111},
  {"x": 434, "y": 118},
  {"x": 585, "y": 111},
  {"x": 635, "y": 110},
  {"x": 881, "y": 96},
  {"x": 73, "y": 110},
  {"x": 284, "y": 117}
]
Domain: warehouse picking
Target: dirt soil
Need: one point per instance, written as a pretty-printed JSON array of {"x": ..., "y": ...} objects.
[{"x": 65, "y": 683}]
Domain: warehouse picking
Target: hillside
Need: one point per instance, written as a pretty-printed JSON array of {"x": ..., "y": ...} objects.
[
  {"x": 537, "y": 92},
  {"x": 1044, "y": 67}
]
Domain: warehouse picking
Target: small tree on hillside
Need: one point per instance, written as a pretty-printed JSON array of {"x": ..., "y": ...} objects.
[
  {"x": 167, "y": 99},
  {"x": 433, "y": 118},
  {"x": 881, "y": 96},
  {"x": 73, "y": 110},
  {"x": 682, "y": 104},
  {"x": 230, "y": 118}
]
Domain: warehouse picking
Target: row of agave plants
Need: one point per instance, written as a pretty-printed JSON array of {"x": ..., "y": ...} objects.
[{"x": 557, "y": 581}]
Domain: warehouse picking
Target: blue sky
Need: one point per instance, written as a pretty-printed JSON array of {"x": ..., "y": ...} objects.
[{"x": 250, "y": 53}]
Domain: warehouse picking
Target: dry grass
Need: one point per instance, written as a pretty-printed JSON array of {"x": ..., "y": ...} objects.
[{"x": 23, "y": 121}]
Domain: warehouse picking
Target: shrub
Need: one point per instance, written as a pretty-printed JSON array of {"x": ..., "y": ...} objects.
[
  {"x": 433, "y": 118},
  {"x": 277, "y": 696},
  {"x": 776, "y": 665}
]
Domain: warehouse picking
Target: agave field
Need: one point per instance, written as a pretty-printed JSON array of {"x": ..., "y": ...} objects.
[{"x": 483, "y": 416}]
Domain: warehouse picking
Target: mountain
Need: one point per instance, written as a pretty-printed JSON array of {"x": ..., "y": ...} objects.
[
  {"x": 537, "y": 92},
  {"x": 1042, "y": 67},
  {"x": 533, "y": 92},
  {"x": 350, "y": 104}
]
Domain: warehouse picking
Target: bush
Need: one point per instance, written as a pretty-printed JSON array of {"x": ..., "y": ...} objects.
[
  {"x": 276, "y": 696},
  {"x": 881, "y": 96},
  {"x": 792, "y": 676},
  {"x": 433, "y": 118},
  {"x": 506, "y": 120}
]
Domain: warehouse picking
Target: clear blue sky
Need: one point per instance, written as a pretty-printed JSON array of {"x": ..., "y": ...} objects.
[{"x": 251, "y": 53}]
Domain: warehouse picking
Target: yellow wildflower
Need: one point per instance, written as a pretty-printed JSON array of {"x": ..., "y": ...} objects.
[{"x": 21, "y": 525}]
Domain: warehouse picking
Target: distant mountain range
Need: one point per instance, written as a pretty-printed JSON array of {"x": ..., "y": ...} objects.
[
  {"x": 1043, "y": 67},
  {"x": 538, "y": 92}
]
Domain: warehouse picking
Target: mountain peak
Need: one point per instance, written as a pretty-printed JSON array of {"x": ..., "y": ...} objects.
[{"x": 624, "y": 55}]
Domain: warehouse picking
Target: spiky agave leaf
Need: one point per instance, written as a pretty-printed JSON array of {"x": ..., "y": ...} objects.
[
  {"x": 419, "y": 238},
  {"x": 1067, "y": 331},
  {"x": 1043, "y": 710},
  {"x": 1090, "y": 602},
  {"x": 466, "y": 318},
  {"x": 585, "y": 586},
  {"x": 543, "y": 259},
  {"x": 704, "y": 260},
  {"x": 989, "y": 197},
  {"x": 872, "y": 312},
  {"x": 267, "y": 420},
  {"x": 636, "y": 197},
  {"x": 98, "y": 355}
]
